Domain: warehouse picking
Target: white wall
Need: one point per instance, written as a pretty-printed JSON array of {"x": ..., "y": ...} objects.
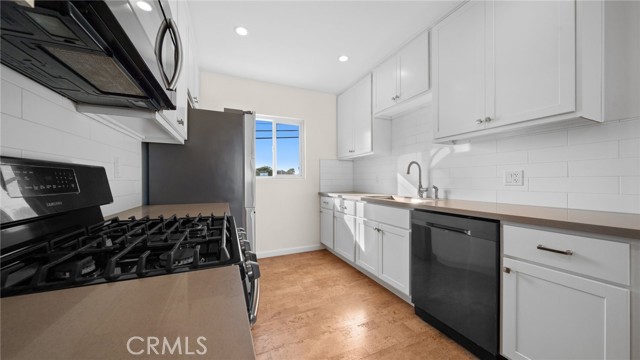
[
  {"x": 287, "y": 210},
  {"x": 37, "y": 123},
  {"x": 594, "y": 167}
]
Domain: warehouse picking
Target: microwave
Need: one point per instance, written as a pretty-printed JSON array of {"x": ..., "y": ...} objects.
[{"x": 115, "y": 53}]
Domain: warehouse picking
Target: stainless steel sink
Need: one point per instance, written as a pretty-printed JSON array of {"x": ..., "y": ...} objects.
[{"x": 404, "y": 199}]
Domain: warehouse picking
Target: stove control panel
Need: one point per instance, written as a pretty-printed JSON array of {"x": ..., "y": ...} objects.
[{"x": 22, "y": 181}]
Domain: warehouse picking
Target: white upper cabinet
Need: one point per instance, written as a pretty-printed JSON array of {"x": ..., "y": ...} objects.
[
  {"x": 358, "y": 133},
  {"x": 402, "y": 77},
  {"x": 503, "y": 66},
  {"x": 499, "y": 63},
  {"x": 459, "y": 77},
  {"x": 533, "y": 60}
]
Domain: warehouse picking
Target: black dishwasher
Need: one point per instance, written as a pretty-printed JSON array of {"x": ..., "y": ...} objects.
[{"x": 454, "y": 278}]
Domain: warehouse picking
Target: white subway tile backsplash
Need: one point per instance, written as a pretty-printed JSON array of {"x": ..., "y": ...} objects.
[
  {"x": 336, "y": 175},
  {"x": 40, "y": 124},
  {"x": 609, "y": 167},
  {"x": 601, "y": 150},
  {"x": 533, "y": 198},
  {"x": 11, "y": 99},
  {"x": 54, "y": 116},
  {"x": 475, "y": 172},
  {"x": 630, "y": 148},
  {"x": 536, "y": 141},
  {"x": 551, "y": 169},
  {"x": 594, "y": 185},
  {"x": 564, "y": 168},
  {"x": 605, "y": 202},
  {"x": 630, "y": 185}
]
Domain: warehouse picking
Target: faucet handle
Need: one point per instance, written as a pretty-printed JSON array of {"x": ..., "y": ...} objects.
[{"x": 435, "y": 191}]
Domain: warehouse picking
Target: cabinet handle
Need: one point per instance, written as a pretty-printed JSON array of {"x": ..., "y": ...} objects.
[
  {"x": 352, "y": 151},
  {"x": 181, "y": 122},
  {"x": 479, "y": 121},
  {"x": 507, "y": 270},
  {"x": 563, "y": 252},
  {"x": 488, "y": 119}
]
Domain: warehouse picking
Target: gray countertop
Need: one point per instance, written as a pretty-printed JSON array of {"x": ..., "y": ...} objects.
[{"x": 596, "y": 222}]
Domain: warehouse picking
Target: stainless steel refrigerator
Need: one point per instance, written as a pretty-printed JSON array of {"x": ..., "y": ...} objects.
[{"x": 216, "y": 164}]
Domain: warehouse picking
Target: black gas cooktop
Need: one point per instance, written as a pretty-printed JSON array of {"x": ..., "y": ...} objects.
[{"x": 121, "y": 249}]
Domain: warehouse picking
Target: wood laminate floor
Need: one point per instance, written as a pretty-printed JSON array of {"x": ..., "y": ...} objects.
[{"x": 315, "y": 306}]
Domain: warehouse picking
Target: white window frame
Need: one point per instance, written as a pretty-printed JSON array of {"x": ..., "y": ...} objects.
[{"x": 274, "y": 148}]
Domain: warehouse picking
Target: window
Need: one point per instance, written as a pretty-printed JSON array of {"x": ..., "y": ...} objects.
[{"x": 279, "y": 146}]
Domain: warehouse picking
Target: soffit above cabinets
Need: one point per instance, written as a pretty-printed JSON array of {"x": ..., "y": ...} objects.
[{"x": 297, "y": 43}]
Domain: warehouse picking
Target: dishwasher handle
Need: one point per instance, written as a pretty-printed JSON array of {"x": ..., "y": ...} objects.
[{"x": 449, "y": 228}]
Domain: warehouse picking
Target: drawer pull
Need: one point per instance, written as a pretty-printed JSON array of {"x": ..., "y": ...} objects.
[{"x": 563, "y": 252}]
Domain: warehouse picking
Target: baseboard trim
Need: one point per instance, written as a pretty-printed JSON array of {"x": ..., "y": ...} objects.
[{"x": 288, "y": 251}]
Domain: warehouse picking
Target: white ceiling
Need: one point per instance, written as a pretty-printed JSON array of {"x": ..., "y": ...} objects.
[{"x": 297, "y": 43}]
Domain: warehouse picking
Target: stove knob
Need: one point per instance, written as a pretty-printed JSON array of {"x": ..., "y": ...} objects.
[
  {"x": 245, "y": 245},
  {"x": 253, "y": 270},
  {"x": 250, "y": 256}
]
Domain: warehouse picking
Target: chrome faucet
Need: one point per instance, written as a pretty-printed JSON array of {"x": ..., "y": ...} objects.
[{"x": 421, "y": 191}]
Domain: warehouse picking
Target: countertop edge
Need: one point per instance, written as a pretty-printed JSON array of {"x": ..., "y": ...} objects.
[{"x": 562, "y": 224}]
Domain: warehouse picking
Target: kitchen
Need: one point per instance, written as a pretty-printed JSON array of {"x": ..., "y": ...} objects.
[{"x": 567, "y": 168}]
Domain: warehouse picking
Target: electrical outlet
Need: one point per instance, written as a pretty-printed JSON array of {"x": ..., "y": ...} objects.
[{"x": 513, "y": 178}]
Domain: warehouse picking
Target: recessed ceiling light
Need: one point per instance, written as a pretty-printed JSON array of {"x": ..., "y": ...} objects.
[
  {"x": 143, "y": 5},
  {"x": 242, "y": 31},
  {"x": 343, "y": 58}
]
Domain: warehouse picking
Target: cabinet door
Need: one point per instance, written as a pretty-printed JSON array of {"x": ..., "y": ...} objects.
[
  {"x": 344, "y": 125},
  {"x": 326, "y": 228},
  {"x": 345, "y": 236},
  {"x": 549, "y": 314},
  {"x": 459, "y": 70},
  {"x": 385, "y": 84},
  {"x": 368, "y": 246},
  {"x": 534, "y": 60},
  {"x": 362, "y": 121},
  {"x": 414, "y": 67},
  {"x": 394, "y": 257}
]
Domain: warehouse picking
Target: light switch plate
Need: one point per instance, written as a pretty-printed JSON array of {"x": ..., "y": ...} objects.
[{"x": 513, "y": 178}]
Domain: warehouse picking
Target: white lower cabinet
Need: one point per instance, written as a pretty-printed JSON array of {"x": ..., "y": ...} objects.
[
  {"x": 564, "y": 296},
  {"x": 548, "y": 314},
  {"x": 326, "y": 228},
  {"x": 368, "y": 247},
  {"x": 383, "y": 249},
  {"x": 394, "y": 257},
  {"x": 345, "y": 235}
]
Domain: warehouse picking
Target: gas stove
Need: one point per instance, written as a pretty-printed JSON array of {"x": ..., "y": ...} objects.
[
  {"x": 53, "y": 235},
  {"x": 121, "y": 249}
]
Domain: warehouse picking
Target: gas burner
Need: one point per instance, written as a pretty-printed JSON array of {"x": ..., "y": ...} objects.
[
  {"x": 181, "y": 256},
  {"x": 65, "y": 270}
]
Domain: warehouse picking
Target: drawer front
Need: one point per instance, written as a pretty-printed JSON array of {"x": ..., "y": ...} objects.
[
  {"x": 345, "y": 206},
  {"x": 388, "y": 215},
  {"x": 326, "y": 202},
  {"x": 607, "y": 260}
]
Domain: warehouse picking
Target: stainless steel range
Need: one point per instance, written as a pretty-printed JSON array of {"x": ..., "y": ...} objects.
[{"x": 53, "y": 235}]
